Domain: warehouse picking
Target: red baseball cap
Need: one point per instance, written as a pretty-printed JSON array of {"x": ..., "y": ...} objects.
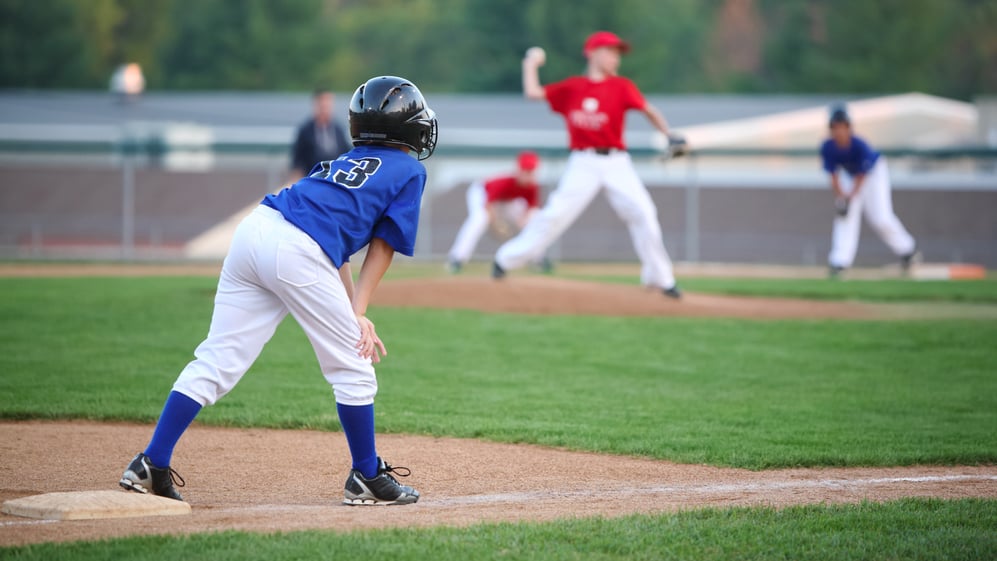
[
  {"x": 605, "y": 39},
  {"x": 528, "y": 161}
]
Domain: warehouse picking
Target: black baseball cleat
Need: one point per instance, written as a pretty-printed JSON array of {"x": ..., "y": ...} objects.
[
  {"x": 142, "y": 476},
  {"x": 834, "y": 272},
  {"x": 381, "y": 490},
  {"x": 673, "y": 292},
  {"x": 906, "y": 261},
  {"x": 454, "y": 266},
  {"x": 497, "y": 271}
]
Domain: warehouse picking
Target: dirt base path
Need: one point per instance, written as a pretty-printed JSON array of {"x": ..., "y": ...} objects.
[
  {"x": 271, "y": 480},
  {"x": 538, "y": 294},
  {"x": 558, "y": 296}
]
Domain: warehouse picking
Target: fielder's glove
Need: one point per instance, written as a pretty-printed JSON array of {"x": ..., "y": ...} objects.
[
  {"x": 841, "y": 206},
  {"x": 501, "y": 230},
  {"x": 669, "y": 146},
  {"x": 677, "y": 145}
]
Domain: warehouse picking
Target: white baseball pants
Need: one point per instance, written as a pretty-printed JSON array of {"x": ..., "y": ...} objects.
[
  {"x": 476, "y": 223},
  {"x": 273, "y": 269},
  {"x": 586, "y": 175},
  {"x": 875, "y": 201}
]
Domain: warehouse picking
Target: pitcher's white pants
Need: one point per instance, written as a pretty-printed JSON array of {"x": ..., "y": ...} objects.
[
  {"x": 476, "y": 223},
  {"x": 273, "y": 269},
  {"x": 587, "y": 174},
  {"x": 875, "y": 201}
]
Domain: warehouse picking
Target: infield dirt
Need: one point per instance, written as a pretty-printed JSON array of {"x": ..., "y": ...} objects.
[{"x": 274, "y": 480}]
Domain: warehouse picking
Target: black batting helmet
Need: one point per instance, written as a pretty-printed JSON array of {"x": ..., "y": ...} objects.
[{"x": 389, "y": 109}]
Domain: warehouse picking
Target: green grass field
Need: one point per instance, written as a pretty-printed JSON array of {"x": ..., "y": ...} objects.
[
  {"x": 983, "y": 291},
  {"x": 912, "y": 529},
  {"x": 726, "y": 392}
]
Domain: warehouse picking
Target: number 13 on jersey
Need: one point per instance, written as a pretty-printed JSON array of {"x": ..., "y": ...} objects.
[{"x": 355, "y": 177}]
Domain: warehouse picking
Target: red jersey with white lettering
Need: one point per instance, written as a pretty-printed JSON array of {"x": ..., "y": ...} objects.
[
  {"x": 594, "y": 111},
  {"x": 504, "y": 189}
]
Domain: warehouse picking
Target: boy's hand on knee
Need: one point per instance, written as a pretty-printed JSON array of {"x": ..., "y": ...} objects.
[
  {"x": 370, "y": 344},
  {"x": 841, "y": 206}
]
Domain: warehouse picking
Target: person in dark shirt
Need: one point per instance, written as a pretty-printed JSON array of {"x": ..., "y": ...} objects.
[{"x": 321, "y": 138}]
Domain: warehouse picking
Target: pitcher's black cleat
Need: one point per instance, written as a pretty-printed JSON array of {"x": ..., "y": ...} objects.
[
  {"x": 498, "y": 272},
  {"x": 908, "y": 260},
  {"x": 673, "y": 292},
  {"x": 142, "y": 476},
  {"x": 380, "y": 490}
]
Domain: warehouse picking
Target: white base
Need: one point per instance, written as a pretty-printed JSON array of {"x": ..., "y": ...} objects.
[{"x": 89, "y": 505}]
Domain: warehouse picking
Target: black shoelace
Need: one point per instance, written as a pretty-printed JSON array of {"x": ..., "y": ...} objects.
[
  {"x": 389, "y": 469},
  {"x": 176, "y": 479}
]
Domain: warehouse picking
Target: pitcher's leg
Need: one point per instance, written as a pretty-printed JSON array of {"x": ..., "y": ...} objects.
[
  {"x": 577, "y": 188},
  {"x": 633, "y": 204},
  {"x": 515, "y": 213}
]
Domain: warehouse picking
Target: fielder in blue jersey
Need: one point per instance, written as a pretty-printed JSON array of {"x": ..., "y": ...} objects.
[
  {"x": 291, "y": 256},
  {"x": 860, "y": 181}
]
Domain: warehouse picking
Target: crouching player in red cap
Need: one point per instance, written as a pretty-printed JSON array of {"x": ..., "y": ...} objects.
[{"x": 502, "y": 204}]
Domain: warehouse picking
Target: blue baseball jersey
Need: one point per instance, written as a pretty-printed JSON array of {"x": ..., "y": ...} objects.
[
  {"x": 368, "y": 192},
  {"x": 857, "y": 159}
]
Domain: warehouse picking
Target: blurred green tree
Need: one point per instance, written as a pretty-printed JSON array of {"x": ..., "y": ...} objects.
[
  {"x": 77, "y": 44},
  {"x": 853, "y": 46},
  {"x": 426, "y": 41},
  {"x": 43, "y": 45},
  {"x": 245, "y": 44},
  {"x": 944, "y": 48}
]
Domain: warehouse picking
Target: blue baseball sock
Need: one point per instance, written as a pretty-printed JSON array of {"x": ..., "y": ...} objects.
[
  {"x": 358, "y": 424},
  {"x": 177, "y": 415}
]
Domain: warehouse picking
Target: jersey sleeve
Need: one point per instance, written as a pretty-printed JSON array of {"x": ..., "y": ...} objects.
[
  {"x": 865, "y": 155},
  {"x": 557, "y": 95},
  {"x": 492, "y": 191},
  {"x": 827, "y": 158},
  {"x": 532, "y": 196},
  {"x": 400, "y": 222},
  {"x": 632, "y": 96}
]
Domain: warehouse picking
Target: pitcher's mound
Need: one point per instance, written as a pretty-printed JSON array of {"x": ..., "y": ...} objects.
[
  {"x": 560, "y": 296},
  {"x": 88, "y": 505}
]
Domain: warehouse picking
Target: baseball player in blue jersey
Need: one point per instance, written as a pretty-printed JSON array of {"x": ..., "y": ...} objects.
[
  {"x": 291, "y": 256},
  {"x": 863, "y": 188}
]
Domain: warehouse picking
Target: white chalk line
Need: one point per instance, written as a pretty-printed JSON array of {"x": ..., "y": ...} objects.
[
  {"x": 605, "y": 493},
  {"x": 27, "y": 522},
  {"x": 710, "y": 489},
  {"x": 616, "y": 493}
]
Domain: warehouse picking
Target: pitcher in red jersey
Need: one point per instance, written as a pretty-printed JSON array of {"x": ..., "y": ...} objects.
[{"x": 594, "y": 106}]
